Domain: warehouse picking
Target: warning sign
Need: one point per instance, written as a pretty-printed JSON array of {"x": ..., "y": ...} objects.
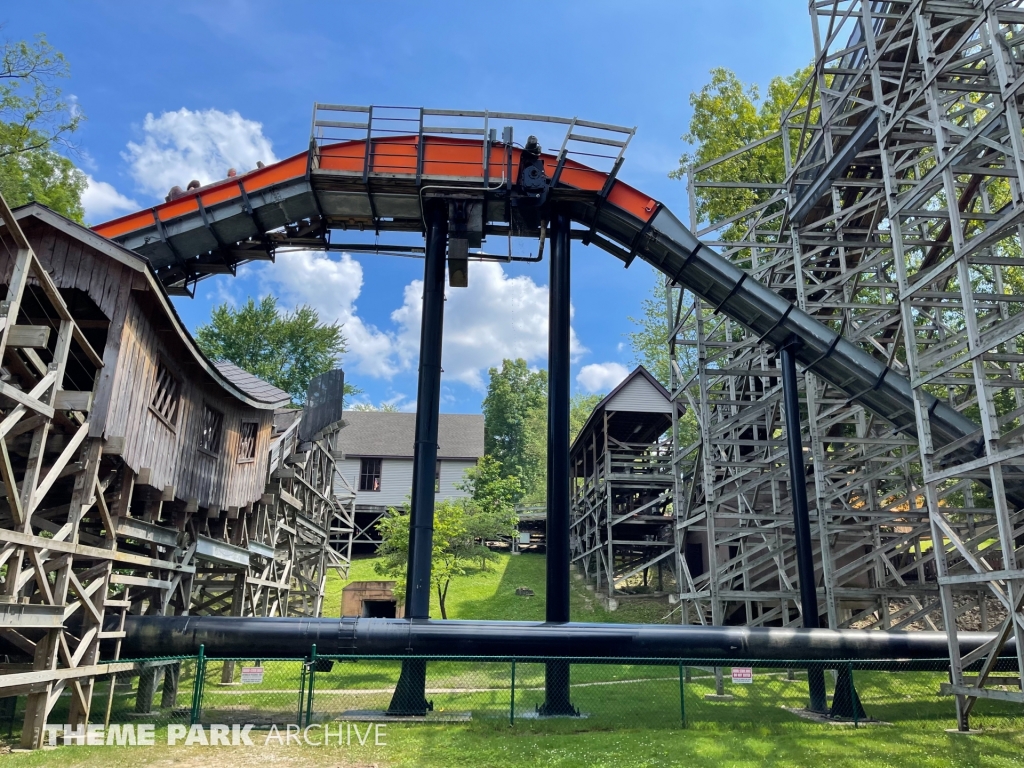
[
  {"x": 742, "y": 675},
  {"x": 252, "y": 675}
]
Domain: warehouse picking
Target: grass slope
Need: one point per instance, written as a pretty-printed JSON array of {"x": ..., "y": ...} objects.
[{"x": 491, "y": 594}]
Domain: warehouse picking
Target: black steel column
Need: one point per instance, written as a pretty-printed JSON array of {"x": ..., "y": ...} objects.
[
  {"x": 409, "y": 697},
  {"x": 801, "y": 516},
  {"x": 556, "y": 676}
]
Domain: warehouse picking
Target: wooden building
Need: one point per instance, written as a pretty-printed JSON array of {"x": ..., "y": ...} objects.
[
  {"x": 375, "y": 462},
  {"x": 623, "y": 528},
  {"x": 138, "y": 476}
]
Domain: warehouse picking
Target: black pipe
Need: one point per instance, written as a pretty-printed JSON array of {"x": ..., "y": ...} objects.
[
  {"x": 801, "y": 515},
  {"x": 556, "y": 675},
  {"x": 410, "y": 696},
  {"x": 232, "y": 637}
]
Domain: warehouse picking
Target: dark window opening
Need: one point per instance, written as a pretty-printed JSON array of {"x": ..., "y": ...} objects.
[
  {"x": 379, "y": 609},
  {"x": 437, "y": 477},
  {"x": 166, "y": 397},
  {"x": 247, "y": 441},
  {"x": 369, "y": 475},
  {"x": 210, "y": 430}
]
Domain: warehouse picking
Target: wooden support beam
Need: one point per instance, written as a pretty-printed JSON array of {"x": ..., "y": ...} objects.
[
  {"x": 114, "y": 446},
  {"x": 72, "y": 400},
  {"x": 33, "y": 336}
]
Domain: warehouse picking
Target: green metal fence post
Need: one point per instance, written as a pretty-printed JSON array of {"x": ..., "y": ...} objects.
[
  {"x": 682, "y": 693},
  {"x": 512, "y": 704},
  {"x": 197, "y": 686},
  {"x": 312, "y": 678},
  {"x": 302, "y": 693}
]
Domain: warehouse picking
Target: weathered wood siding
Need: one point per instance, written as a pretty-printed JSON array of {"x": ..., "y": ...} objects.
[
  {"x": 172, "y": 451},
  {"x": 138, "y": 337},
  {"x": 72, "y": 264}
]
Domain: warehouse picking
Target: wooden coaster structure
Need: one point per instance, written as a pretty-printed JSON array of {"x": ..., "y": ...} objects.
[{"x": 138, "y": 476}]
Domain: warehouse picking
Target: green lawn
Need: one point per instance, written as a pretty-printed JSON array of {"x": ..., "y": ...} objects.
[
  {"x": 632, "y": 712},
  {"x": 491, "y": 594}
]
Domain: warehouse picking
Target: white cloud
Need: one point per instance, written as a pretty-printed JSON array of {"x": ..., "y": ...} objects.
[
  {"x": 102, "y": 202},
  {"x": 331, "y": 287},
  {"x": 601, "y": 377},
  {"x": 497, "y": 317},
  {"x": 184, "y": 145}
]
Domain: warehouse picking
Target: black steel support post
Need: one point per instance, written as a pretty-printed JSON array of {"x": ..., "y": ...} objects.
[
  {"x": 801, "y": 515},
  {"x": 410, "y": 697},
  {"x": 556, "y": 674}
]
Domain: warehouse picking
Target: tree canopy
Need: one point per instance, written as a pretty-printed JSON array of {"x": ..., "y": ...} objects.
[
  {"x": 649, "y": 342},
  {"x": 36, "y": 117},
  {"x": 461, "y": 528},
  {"x": 286, "y": 349},
  {"x": 727, "y": 115},
  {"x": 381, "y": 408},
  {"x": 580, "y": 407},
  {"x": 490, "y": 488},
  {"x": 515, "y": 422}
]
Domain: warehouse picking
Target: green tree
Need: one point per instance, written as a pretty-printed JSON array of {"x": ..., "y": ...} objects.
[
  {"x": 382, "y": 408},
  {"x": 580, "y": 408},
  {"x": 649, "y": 342},
  {"x": 35, "y": 117},
  {"x": 515, "y": 421},
  {"x": 460, "y": 529},
  {"x": 286, "y": 349},
  {"x": 490, "y": 487},
  {"x": 727, "y": 115},
  {"x": 535, "y": 453}
]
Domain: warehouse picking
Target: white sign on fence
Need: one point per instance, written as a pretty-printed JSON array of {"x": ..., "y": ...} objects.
[
  {"x": 742, "y": 675},
  {"x": 253, "y": 675}
]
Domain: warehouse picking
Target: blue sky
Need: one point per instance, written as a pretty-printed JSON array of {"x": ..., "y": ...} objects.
[{"x": 174, "y": 91}]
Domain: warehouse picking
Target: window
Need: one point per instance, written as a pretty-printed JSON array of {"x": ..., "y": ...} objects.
[
  {"x": 166, "y": 396},
  {"x": 369, "y": 475},
  {"x": 247, "y": 441},
  {"x": 210, "y": 429},
  {"x": 437, "y": 476}
]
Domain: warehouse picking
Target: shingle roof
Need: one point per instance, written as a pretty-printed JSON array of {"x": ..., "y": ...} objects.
[
  {"x": 376, "y": 433},
  {"x": 254, "y": 387}
]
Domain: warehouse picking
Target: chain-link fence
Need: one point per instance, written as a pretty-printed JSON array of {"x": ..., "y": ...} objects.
[
  {"x": 534, "y": 694},
  {"x": 590, "y": 693}
]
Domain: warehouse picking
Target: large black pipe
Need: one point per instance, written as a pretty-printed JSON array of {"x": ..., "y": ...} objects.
[
  {"x": 410, "y": 693},
  {"x": 556, "y": 538},
  {"x": 149, "y": 636},
  {"x": 801, "y": 514}
]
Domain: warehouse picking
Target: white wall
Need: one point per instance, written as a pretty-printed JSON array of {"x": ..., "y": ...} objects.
[
  {"x": 452, "y": 472},
  {"x": 639, "y": 396},
  {"x": 396, "y": 481}
]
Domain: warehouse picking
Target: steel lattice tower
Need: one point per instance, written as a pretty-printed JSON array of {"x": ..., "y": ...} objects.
[{"x": 904, "y": 179}]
